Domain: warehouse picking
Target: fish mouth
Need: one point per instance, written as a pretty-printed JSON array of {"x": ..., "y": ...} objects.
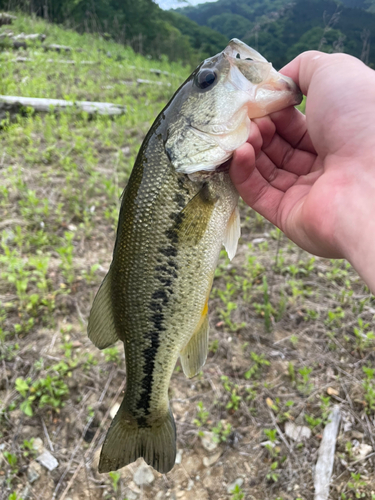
[
  {"x": 239, "y": 50},
  {"x": 282, "y": 86},
  {"x": 266, "y": 88}
]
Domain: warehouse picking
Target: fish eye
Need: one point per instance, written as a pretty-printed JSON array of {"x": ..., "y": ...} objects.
[
  {"x": 205, "y": 78},
  {"x": 238, "y": 56}
]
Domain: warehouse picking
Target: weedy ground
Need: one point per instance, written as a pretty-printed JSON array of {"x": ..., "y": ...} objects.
[{"x": 291, "y": 334}]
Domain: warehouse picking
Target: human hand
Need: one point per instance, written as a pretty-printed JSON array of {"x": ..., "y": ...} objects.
[{"x": 313, "y": 176}]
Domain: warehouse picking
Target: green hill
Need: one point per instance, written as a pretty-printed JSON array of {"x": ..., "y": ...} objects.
[
  {"x": 280, "y": 29},
  {"x": 142, "y": 24}
]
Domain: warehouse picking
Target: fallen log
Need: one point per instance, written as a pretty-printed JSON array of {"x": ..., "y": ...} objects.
[
  {"x": 20, "y": 41},
  {"x": 326, "y": 455},
  {"x": 57, "y": 48},
  {"x": 58, "y": 61},
  {"x": 6, "y": 18},
  {"x": 152, "y": 82},
  {"x": 14, "y": 104},
  {"x": 31, "y": 37}
]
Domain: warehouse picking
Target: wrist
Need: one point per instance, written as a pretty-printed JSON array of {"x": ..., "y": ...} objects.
[{"x": 355, "y": 228}]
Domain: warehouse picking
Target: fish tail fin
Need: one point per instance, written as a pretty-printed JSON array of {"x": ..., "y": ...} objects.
[{"x": 128, "y": 439}]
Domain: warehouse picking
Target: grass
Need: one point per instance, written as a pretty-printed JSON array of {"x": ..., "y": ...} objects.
[{"x": 291, "y": 334}]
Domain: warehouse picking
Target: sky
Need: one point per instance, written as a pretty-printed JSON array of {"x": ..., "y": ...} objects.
[{"x": 173, "y": 4}]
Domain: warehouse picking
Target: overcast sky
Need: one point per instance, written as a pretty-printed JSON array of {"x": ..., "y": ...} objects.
[{"x": 173, "y": 4}]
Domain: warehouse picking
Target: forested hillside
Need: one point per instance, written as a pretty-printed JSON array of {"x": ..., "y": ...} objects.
[
  {"x": 140, "y": 24},
  {"x": 368, "y": 5},
  {"x": 281, "y": 29}
]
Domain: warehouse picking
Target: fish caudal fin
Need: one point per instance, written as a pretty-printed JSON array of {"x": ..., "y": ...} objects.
[
  {"x": 126, "y": 441},
  {"x": 232, "y": 233},
  {"x": 193, "y": 356},
  {"x": 101, "y": 327}
]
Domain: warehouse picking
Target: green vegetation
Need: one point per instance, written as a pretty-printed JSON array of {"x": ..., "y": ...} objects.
[
  {"x": 140, "y": 24},
  {"x": 280, "y": 29}
]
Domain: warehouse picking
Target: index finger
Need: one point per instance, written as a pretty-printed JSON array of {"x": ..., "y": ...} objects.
[
  {"x": 291, "y": 125},
  {"x": 303, "y": 67}
]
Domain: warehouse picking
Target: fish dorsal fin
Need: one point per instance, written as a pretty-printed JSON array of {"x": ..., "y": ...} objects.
[
  {"x": 196, "y": 216},
  {"x": 101, "y": 326},
  {"x": 232, "y": 233},
  {"x": 194, "y": 354}
]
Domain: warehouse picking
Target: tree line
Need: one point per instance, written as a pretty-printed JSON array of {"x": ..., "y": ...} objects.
[
  {"x": 138, "y": 23},
  {"x": 281, "y": 29}
]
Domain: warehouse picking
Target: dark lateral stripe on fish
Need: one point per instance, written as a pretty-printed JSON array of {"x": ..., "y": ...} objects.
[
  {"x": 167, "y": 270},
  {"x": 169, "y": 251},
  {"x": 160, "y": 299},
  {"x": 180, "y": 198}
]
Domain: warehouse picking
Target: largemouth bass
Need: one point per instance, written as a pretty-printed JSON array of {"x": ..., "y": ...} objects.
[{"x": 177, "y": 210}]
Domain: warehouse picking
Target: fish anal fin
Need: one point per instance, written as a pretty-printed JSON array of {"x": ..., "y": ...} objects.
[
  {"x": 101, "y": 325},
  {"x": 193, "y": 356},
  {"x": 232, "y": 233},
  {"x": 126, "y": 441}
]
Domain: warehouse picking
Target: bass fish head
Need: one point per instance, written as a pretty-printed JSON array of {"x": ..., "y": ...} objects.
[{"x": 217, "y": 102}]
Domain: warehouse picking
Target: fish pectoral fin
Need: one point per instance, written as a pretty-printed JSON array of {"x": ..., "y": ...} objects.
[
  {"x": 196, "y": 215},
  {"x": 193, "y": 356},
  {"x": 101, "y": 326},
  {"x": 232, "y": 233},
  {"x": 126, "y": 441}
]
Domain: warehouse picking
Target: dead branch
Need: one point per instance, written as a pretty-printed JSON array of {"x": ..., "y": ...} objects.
[
  {"x": 14, "y": 104},
  {"x": 324, "y": 465},
  {"x": 58, "y": 48}
]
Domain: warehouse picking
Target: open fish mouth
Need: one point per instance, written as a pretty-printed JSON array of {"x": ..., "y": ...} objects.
[
  {"x": 239, "y": 50},
  {"x": 252, "y": 73}
]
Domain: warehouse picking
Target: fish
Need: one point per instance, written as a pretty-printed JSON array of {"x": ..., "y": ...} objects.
[{"x": 179, "y": 207}]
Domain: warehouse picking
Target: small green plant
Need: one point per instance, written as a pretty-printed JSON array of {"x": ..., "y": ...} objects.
[
  {"x": 115, "y": 478},
  {"x": 272, "y": 475},
  {"x": 266, "y": 310},
  {"x": 304, "y": 385},
  {"x": 259, "y": 361},
  {"x": 292, "y": 372},
  {"x": 112, "y": 355},
  {"x": 237, "y": 493},
  {"x": 27, "y": 447},
  {"x": 12, "y": 460},
  {"x": 214, "y": 346},
  {"x": 202, "y": 415},
  {"x": 369, "y": 388},
  {"x": 221, "y": 432},
  {"x": 90, "y": 276},
  {"x": 232, "y": 389},
  {"x": 48, "y": 391},
  {"x": 335, "y": 317},
  {"x": 66, "y": 252},
  {"x": 355, "y": 487},
  {"x": 363, "y": 336},
  {"x": 271, "y": 447},
  {"x": 294, "y": 340},
  {"x": 312, "y": 421},
  {"x": 230, "y": 306}
]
